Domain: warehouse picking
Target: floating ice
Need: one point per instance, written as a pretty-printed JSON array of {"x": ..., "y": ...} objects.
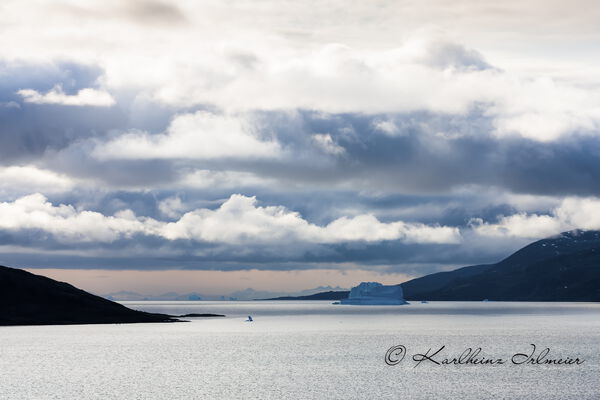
[{"x": 374, "y": 293}]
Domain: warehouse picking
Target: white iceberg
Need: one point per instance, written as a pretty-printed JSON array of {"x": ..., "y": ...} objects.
[{"x": 374, "y": 293}]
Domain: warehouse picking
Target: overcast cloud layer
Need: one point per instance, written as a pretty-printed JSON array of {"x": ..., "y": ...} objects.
[{"x": 400, "y": 136}]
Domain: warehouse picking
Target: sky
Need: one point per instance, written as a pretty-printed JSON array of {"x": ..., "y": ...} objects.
[{"x": 213, "y": 146}]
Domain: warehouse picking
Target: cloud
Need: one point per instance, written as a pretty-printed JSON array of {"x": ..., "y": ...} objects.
[
  {"x": 325, "y": 143},
  {"x": 370, "y": 148},
  {"x": 142, "y": 12},
  {"x": 201, "y": 135},
  {"x": 19, "y": 180},
  {"x": 388, "y": 127},
  {"x": 153, "y": 12},
  {"x": 443, "y": 54},
  {"x": 29, "y": 130},
  {"x": 443, "y": 78},
  {"x": 218, "y": 180},
  {"x": 66, "y": 223},
  {"x": 306, "y": 66},
  {"x": 427, "y": 153},
  {"x": 572, "y": 213},
  {"x": 237, "y": 221},
  {"x": 171, "y": 207},
  {"x": 10, "y": 104},
  {"x": 520, "y": 225},
  {"x": 84, "y": 97}
]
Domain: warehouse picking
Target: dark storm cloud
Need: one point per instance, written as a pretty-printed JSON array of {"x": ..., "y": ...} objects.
[
  {"x": 153, "y": 253},
  {"x": 419, "y": 167},
  {"x": 29, "y": 130},
  {"x": 435, "y": 153},
  {"x": 427, "y": 153}
]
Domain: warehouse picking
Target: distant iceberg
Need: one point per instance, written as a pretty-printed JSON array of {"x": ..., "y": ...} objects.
[{"x": 374, "y": 293}]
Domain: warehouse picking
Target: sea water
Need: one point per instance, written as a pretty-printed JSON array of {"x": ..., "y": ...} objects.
[{"x": 312, "y": 350}]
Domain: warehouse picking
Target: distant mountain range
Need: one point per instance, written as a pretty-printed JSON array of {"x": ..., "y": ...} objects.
[
  {"x": 171, "y": 296},
  {"x": 565, "y": 267},
  {"x": 28, "y": 299},
  {"x": 246, "y": 294}
]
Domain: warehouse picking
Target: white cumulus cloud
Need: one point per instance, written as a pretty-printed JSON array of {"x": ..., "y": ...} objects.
[
  {"x": 171, "y": 207},
  {"x": 84, "y": 97},
  {"x": 239, "y": 220},
  {"x": 572, "y": 213},
  {"x": 68, "y": 224},
  {"x": 19, "y": 180},
  {"x": 199, "y": 135}
]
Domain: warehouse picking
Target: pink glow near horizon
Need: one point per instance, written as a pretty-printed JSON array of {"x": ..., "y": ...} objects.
[{"x": 103, "y": 281}]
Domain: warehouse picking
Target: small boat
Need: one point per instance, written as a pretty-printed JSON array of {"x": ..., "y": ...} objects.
[{"x": 249, "y": 319}]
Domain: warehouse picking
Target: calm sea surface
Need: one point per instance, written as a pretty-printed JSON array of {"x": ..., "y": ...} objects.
[{"x": 308, "y": 350}]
